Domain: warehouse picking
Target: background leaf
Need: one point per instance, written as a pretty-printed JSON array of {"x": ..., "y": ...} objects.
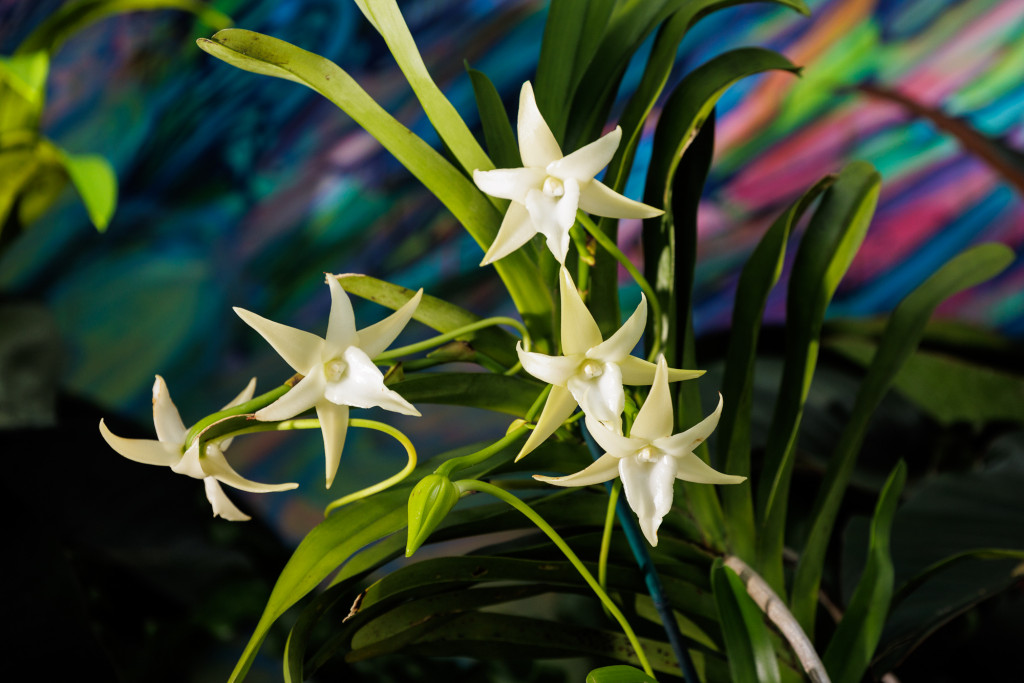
[{"x": 96, "y": 182}]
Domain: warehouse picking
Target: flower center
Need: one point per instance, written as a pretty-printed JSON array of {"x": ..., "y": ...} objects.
[
  {"x": 646, "y": 454},
  {"x": 592, "y": 369},
  {"x": 553, "y": 187},
  {"x": 335, "y": 369}
]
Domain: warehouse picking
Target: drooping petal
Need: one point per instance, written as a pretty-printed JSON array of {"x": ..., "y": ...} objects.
[
  {"x": 600, "y": 200},
  {"x": 554, "y": 370},
  {"x": 601, "y": 470},
  {"x": 619, "y": 345},
  {"x": 587, "y": 161},
  {"x": 333, "y": 426},
  {"x": 242, "y": 397},
  {"x": 684, "y": 442},
  {"x": 537, "y": 145},
  {"x": 579, "y": 329},
  {"x": 222, "y": 505},
  {"x": 638, "y": 371},
  {"x": 341, "y": 324},
  {"x": 189, "y": 464},
  {"x": 554, "y": 216},
  {"x": 299, "y": 398},
  {"x": 216, "y": 465},
  {"x": 510, "y": 183},
  {"x": 376, "y": 338},
  {"x": 516, "y": 230},
  {"x": 146, "y": 451},
  {"x": 298, "y": 348},
  {"x": 166, "y": 419},
  {"x": 656, "y": 417},
  {"x": 600, "y": 396},
  {"x": 557, "y": 410},
  {"x": 613, "y": 442},
  {"x": 689, "y": 467},
  {"x": 362, "y": 386},
  {"x": 648, "y": 488}
]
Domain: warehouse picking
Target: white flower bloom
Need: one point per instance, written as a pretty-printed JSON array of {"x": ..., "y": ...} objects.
[
  {"x": 651, "y": 458},
  {"x": 338, "y": 369},
  {"x": 168, "y": 449},
  {"x": 547, "y": 191},
  {"x": 593, "y": 370}
]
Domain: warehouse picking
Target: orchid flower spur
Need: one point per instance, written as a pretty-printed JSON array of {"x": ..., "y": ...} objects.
[
  {"x": 593, "y": 370},
  {"x": 548, "y": 190},
  {"x": 338, "y": 369},
  {"x": 168, "y": 449},
  {"x": 651, "y": 458}
]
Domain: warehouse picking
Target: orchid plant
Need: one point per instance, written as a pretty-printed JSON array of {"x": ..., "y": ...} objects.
[{"x": 547, "y": 227}]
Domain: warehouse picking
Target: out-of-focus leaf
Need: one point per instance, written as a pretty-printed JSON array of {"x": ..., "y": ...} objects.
[
  {"x": 620, "y": 673},
  {"x": 835, "y": 233},
  {"x": 501, "y": 141},
  {"x": 851, "y": 648},
  {"x": 747, "y": 645},
  {"x": 96, "y": 182},
  {"x": 901, "y": 337},
  {"x": 25, "y": 74},
  {"x": 499, "y": 393}
]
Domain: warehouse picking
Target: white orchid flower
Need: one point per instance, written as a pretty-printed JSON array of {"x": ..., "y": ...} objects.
[
  {"x": 651, "y": 458},
  {"x": 168, "y": 449},
  {"x": 338, "y": 369},
  {"x": 546, "y": 192},
  {"x": 593, "y": 370}
]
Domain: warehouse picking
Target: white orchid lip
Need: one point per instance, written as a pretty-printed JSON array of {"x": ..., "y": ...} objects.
[
  {"x": 338, "y": 370},
  {"x": 547, "y": 191}
]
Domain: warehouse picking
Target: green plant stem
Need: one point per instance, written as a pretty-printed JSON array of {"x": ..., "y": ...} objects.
[
  {"x": 250, "y": 406},
  {"x": 606, "y": 535},
  {"x": 479, "y": 456},
  {"x": 540, "y": 523},
  {"x": 283, "y": 425},
  {"x": 610, "y": 246},
  {"x": 455, "y": 334},
  {"x": 410, "y": 451}
]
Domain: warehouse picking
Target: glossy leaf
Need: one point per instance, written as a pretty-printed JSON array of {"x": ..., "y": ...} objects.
[
  {"x": 501, "y": 140},
  {"x": 620, "y": 673},
  {"x": 747, "y": 645},
  {"x": 902, "y": 335},
  {"x": 96, "y": 182},
  {"x": 499, "y": 393}
]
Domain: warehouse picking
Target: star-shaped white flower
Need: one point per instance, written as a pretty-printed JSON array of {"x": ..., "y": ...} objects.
[
  {"x": 593, "y": 370},
  {"x": 168, "y": 449},
  {"x": 651, "y": 458},
  {"x": 338, "y": 369},
  {"x": 546, "y": 192}
]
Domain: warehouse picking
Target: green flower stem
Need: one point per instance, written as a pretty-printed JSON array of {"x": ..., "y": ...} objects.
[
  {"x": 540, "y": 523},
  {"x": 390, "y": 481},
  {"x": 250, "y": 406},
  {"x": 283, "y": 425},
  {"x": 454, "y": 334},
  {"x": 471, "y": 459},
  {"x": 645, "y": 286},
  {"x": 606, "y": 535}
]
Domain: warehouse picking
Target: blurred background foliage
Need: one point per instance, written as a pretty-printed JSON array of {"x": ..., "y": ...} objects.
[{"x": 237, "y": 190}]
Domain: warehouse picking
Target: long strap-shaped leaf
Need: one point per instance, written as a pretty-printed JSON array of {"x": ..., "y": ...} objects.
[
  {"x": 501, "y": 141},
  {"x": 854, "y": 642},
  {"x": 901, "y": 338},
  {"x": 749, "y": 649},
  {"x": 272, "y": 57},
  {"x": 826, "y": 250},
  {"x": 758, "y": 278}
]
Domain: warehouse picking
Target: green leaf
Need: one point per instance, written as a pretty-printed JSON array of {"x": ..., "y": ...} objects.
[
  {"x": 272, "y": 57},
  {"x": 851, "y": 648},
  {"x": 758, "y": 278},
  {"x": 835, "y": 233},
  {"x": 76, "y": 15},
  {"x": 901, "y": 337},
  {"x": 620, "y": 673},
  {"x": 501, "y": 141},
  {"x": 510, "y": 395},
  {"x": 26, "y": 75},
  {"x": 387, "y": 19},
  {"x": 747, "y": 645},
  {"x": 96, "y": 182}
]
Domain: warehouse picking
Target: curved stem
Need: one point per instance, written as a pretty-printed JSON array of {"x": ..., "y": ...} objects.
[
  {"x": 606, "y": 535},
  {"x": 645, "y": 286},
  {"x": 455, "y": 334},
  {"x": 540, "y": 523},
  {"x": 464, "y": 461},
  {"x": 250, "y": 406},
  {"x": 410, "y": 451},
  {"x": 283, "y": 425}
]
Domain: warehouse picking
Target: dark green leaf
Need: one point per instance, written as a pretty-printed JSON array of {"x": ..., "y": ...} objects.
[
  {"x": 499, "y": 393},
  {"x": 747, "y": 645},
  {"x": 619, "y": 673},
  {"x": 501, "y": 141}
]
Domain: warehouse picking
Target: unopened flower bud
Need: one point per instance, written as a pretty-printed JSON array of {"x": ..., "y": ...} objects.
[{"x": 429, "y": 503}]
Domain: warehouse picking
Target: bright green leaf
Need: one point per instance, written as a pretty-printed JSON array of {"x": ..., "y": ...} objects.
[
  {"x": 620, "y": 673},
  {"x": 96, "y": 182}
]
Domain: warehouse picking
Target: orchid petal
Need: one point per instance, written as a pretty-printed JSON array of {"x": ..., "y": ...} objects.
[
  {"x": 600, "y": 200},
  {"x": 684, "y": 442},
  {"x": 587, "y": 161},
  {"x": 298, "y": 348},
  {"x": 221, "y": 504},
  {"x": 648, "y": 488},
  {"x": 379, "y": 336},
  {"x": 601, "y": 397},
  {"x": 146, "y": 451},
  {"x": 362, "y": 386},
  {"x": 554, "y": 216},
  {"x": 638, "y": 371},
  {"x": 554, "y": 370},
  {"x": 189, "y": 464},
  {"x": 656, "y": 418},
  {"x": 298, "y": 399},
  {"x": 613, "y": 442},
  {"x": 216, "y": 465},
  {"x": 601, "y": 470},
  {"x": 166, "y": 419},
  {"x": 341, "y": 323},
  {"x": 557, "y": 410},
  {"x": 509, "y": 183},
  {"x": 689, "y": 467},
  {"x": 619, "y": 345},
  {"x": 579, "y": 329},
  {"x": 515, "y": 231},
  {"x": 334, "y": 427},
  {"x": 537, "y": 145}
]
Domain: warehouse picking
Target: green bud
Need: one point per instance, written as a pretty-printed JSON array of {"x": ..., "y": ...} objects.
[{"x": 429, "y": 503}]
